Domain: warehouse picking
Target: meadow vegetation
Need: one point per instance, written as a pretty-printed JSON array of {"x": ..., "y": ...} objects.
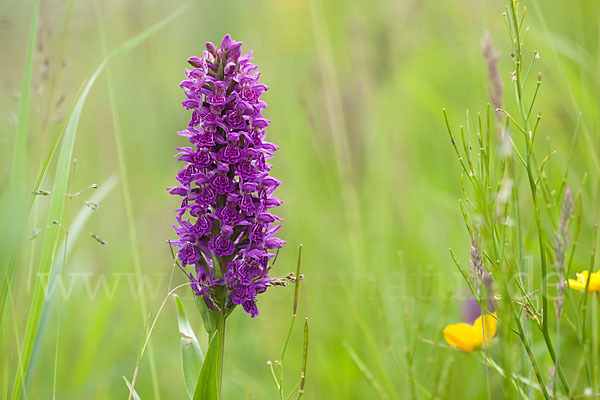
[{"x": 382, "y": 172}]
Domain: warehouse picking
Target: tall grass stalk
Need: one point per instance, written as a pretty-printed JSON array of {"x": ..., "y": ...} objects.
[
  {"x": 583, "y": 306},
  {"x": 57, "y": 63},
  {"x": 277, "y": 365},
  {"x": 12, "y": 201},
  {"x": 372, "y": 344},
  {"x": 516, "y": 28},
  {"x": 561, "y": 64},
  {"x": 58, "y": 323},
  {"x": 408, "y": 355},
  {"x": 20, "y": 165},
  {"x": 339, "y": 133}
]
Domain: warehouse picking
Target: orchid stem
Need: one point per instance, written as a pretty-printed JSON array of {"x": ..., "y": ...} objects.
[{"x": 220, "y": 332}]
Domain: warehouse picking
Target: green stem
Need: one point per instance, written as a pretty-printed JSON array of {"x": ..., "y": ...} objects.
[
  {"x": 584, "y": 299},
  {"x": 521, "y": 334},
  {"x": 221, "y": 320},
  {"x": 533, "y": 188},
  {"x": 540, "y": 231}
]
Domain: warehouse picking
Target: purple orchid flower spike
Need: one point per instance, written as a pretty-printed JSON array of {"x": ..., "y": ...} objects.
[{"x": 225, "y": 183}]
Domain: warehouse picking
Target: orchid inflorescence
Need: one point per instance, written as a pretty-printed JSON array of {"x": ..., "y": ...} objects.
[{"x": 226, "y": 186}]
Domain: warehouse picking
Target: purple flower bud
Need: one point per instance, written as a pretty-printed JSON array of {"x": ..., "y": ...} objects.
[
  {"x": 234, "y": 51},
  {"x": 226, "y": 42},
  {"x": 196, "y": 62},
  {"x": 272, "y": 202},
  {"x": 212, "y": 49},
  {"x": 260, "y": 123},
  {"x": 274, "y": 243},
  {"x": 181, "y": 190},
  {"x": 190, "y": 103}
]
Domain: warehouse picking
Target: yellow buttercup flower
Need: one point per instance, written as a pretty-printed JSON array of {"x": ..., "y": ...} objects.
[
  {"x": 468, "y": 337},
  {"x": 581, "y": 281}
]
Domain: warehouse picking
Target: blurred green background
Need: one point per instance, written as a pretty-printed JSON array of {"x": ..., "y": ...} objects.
[{"x": 370, "y": 181}]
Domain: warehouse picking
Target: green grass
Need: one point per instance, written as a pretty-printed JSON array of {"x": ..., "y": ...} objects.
[{"x": 355, "y": 100}]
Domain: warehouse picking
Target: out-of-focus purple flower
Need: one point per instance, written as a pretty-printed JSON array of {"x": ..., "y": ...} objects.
[
  {"x": 470, "y": 311},
  {"x": 225, "y": 183}
]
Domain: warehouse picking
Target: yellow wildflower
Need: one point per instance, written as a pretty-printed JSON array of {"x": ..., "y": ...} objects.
[
  {"x": 468, "y": 337},
  {"x": 582, "y": 277}
]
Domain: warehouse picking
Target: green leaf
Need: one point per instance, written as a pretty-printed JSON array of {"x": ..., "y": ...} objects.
[
  {"x": 133, "y": 392},
  {"x": 207, "y": 387},
  {"x": 191, "y": 354}
]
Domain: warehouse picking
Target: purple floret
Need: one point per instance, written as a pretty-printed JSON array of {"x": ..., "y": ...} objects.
[{"x": 225, "y": 182}]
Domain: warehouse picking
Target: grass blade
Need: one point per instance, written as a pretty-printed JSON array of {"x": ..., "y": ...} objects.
[
  {"x": 9, "y": 271},
  {"x": 20, "y": 151},
  {"x": 135, "y": 396},
  {"x": 12, "y": 204},
  {"x": 191, "y": 353}
]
